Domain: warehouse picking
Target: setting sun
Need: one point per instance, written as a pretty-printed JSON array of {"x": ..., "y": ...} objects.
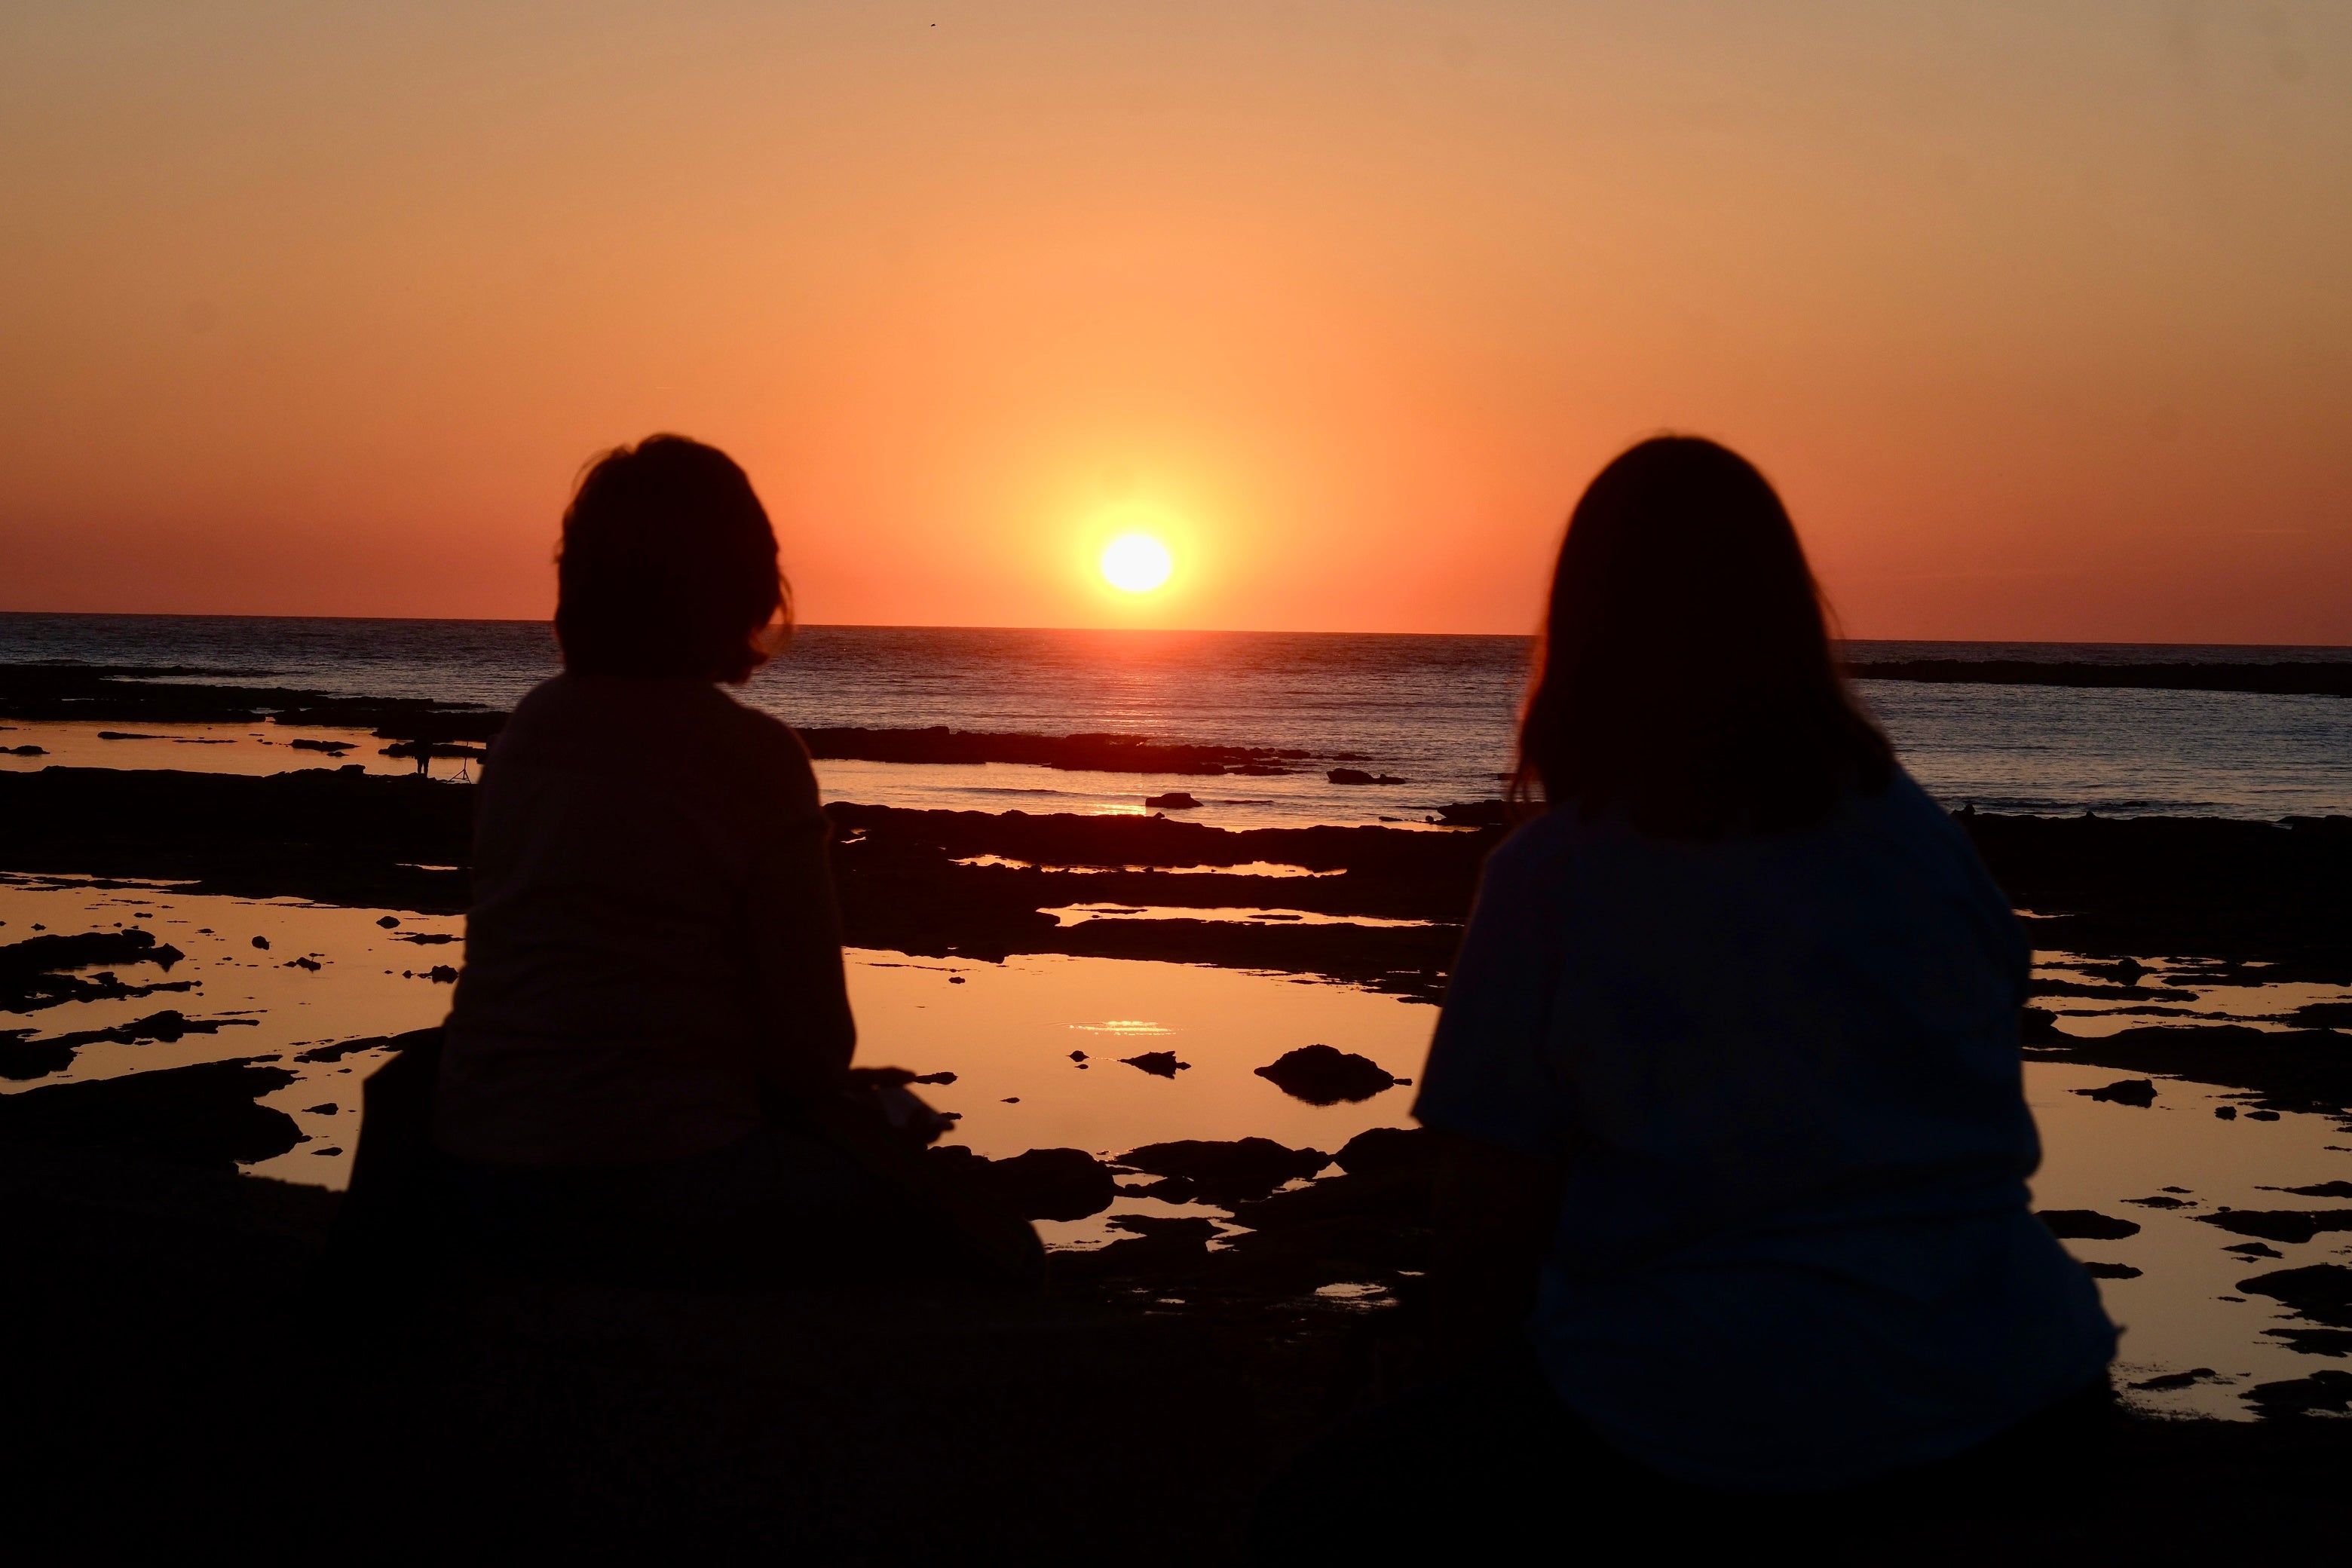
[{"x": 1136, "y": 563}]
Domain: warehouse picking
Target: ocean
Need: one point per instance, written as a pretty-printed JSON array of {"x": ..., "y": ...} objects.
[{"x": 1435, "y": 711}]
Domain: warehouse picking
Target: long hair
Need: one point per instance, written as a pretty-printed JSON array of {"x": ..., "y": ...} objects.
[
  {"x": 668, "y": 568},
  {"x": 1685, "y": 678}
]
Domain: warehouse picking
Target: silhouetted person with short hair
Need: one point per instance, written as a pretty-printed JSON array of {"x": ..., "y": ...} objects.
[
  {"x": 644, "y": 1071},
  {"x": 1733, "y": 1224}
]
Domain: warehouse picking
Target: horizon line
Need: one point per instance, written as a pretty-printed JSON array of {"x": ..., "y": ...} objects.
[{"x": 1177, "y": 631}]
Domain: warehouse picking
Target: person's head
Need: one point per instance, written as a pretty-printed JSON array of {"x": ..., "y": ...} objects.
[
  {"x": 668, "y": 568},
  {"x": 1685, "y": 676}
]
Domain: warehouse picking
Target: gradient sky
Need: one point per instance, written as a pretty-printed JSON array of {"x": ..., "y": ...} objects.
[{"x": 2040, "y": 314}]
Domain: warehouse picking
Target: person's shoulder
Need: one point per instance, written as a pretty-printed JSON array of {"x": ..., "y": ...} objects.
[
  {"x": 545, "y": 707},
  {"x": 1540, "y": 851},
  {"x": 1900, "y": 806},
  {"x": 770, "y": 742}
]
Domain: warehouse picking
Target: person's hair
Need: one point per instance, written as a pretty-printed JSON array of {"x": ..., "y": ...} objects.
[
  {"x": 1685, "y": 676},
  {"x": 668, "y": 568}
]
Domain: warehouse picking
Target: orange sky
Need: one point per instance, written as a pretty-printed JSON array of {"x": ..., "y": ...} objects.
[{"x": 2041, "y": 315}]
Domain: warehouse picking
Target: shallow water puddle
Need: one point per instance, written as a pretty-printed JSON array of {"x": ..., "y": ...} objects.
[
  {"x": 369, "y": 979},
  {"x": 2185, "y": 1311},
  {"x": 1038, "y": 1046},
  {"x": 249, "y": 748}
]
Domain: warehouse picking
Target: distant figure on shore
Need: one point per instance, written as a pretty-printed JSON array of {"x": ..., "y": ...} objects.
[
  {"x": 645, "y": 1067},
  {"x": 1735, "y": 1221}
]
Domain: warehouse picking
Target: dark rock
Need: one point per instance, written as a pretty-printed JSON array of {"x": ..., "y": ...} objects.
[
  {"x": 1357, "y": 776},
  {"x": 2086, "y": 1224},
  {"x": 2314, "y": 1342},
  {"x": 2321, "y": 1291},
  {"x": 340, "y": 1048},
  {"x": 1043, "y": 1184},
  {"x": 2322, "y": 1391},
  {"x": 1175, "y": 800},
  {"x": 1476, "y": 813},
  {"x": 22, "y": 1058},
  {"x": 2111, "y": 1271},
  {"x": 2262, "y": 1116},
  {"x": 1227, "y": 1173},
  {"x": 309, "y": 963},
  {"x": 428, "y": 938},
  {"x": 1159, "y": 1064},
  {"x": 200, "y": 1115},
  {"x": 2161, "y": 1202},
  {"x": 2279, "y": 1224},
  {"x": 388, "y": 921},
  {"x": 2317, "y": 1190},
  {"x": 443, "y": 973},
  {"x": 1167, "y": 1189},
  {"x": 2178, "y": 1379},
  {"x": 333, "y": 748},
  {"x": 2254, "y": 1249},
  {"x": 2226, "y": 1112},
  {"x": 2136, "y": 1091},
  {"x": 327, "y": 1110},
  {"x": 1389, "y": 1152},
  {"x": 26, "y": 750},
  {"x": 1161, "y": 1247},
  {"x": 2039, "y": 1024},
  {"x": 36, "y": 972},
  {"x": 899, "y": 1078},
  {"x": 262, "y": 943},
  {"x": 1320, "y": 1075},
  {"x": 1185, "y": 1227}
]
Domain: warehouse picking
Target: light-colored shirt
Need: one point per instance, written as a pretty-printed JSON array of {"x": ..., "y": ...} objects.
[
  {"x": 1780, "y": 1075},
  {"x": 653, "y": 940}
]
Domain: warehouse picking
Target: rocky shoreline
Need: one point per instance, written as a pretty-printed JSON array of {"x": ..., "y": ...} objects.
[{"x": 1126, "y": 1414}]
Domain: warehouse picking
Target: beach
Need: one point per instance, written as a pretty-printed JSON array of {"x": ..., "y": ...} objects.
[{"x": 1235, "y": 1241}]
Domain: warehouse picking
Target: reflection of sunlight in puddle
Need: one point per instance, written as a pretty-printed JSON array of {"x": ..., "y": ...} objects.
[
  {"x": 1075, "y": 914},
  {"x": 1353, "y": 1294},
  {"x": 1123, "y": 1026}
]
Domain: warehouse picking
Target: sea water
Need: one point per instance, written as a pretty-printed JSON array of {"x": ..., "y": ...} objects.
[{"x": 1435, "y": 711}]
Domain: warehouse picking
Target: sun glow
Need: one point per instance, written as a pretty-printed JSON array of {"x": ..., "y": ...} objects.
[{"x": 1136, "y": 563}]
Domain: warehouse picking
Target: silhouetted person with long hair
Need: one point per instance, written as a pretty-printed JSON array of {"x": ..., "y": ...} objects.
[
  {"x": 1733, "y": 1219},
  {"x": 645, "y": 1067}
]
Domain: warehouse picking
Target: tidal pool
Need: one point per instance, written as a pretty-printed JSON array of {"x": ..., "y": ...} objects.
[{"x": 1038, "y": 1043}]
